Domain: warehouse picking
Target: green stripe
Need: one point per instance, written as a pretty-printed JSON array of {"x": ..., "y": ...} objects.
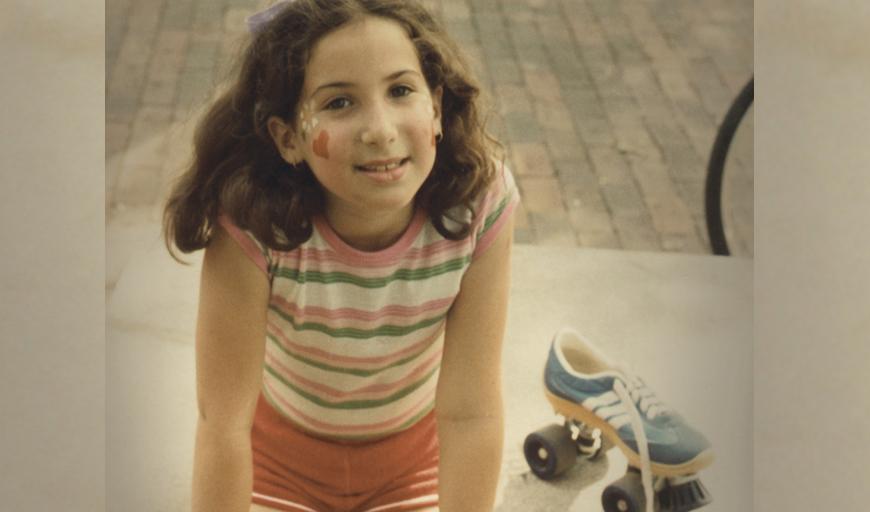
[
  {"x": 362, "y": 334},
  {"x": 352, "y": 404},
  {"x": 350, "y": 371},
  {"x": 403, "y": 274},
  {"x": 403, "y": 426},
  {"x": 493, "y": 216}
]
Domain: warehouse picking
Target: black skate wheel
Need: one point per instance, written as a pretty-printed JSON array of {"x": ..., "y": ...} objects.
[
  {"x": 624, "y": 495},
  {"x": 550, "y": 451}
]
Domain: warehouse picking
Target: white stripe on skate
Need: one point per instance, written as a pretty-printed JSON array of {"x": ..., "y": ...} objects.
[
  {"x": 601, "y": 400},
  {"x": 609, "y": 408}
]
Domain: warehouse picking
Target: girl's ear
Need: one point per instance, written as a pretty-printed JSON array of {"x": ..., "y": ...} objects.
[
  {"x": 285, "y": 141},
  {"x": 436, "y": 103}
]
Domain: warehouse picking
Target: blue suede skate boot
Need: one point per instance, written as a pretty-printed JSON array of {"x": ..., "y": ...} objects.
[{"x": 584, "y": 385}]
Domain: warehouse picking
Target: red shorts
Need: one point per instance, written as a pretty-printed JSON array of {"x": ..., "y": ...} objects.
[{"x": 296, "y": 471}]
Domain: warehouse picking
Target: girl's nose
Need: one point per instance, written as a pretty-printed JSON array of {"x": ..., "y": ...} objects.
[{"x": 379, "y": 128}]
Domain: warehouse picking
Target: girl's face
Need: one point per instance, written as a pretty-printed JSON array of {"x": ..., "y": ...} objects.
[{"x": 367, "y": 120}]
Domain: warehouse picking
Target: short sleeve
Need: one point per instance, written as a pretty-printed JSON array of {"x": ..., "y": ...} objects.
[
  {"x": 255, "y": 250},
  {"x": 496, "y": 208}
]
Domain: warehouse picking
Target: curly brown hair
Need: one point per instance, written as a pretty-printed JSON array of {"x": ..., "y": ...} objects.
[{"x": 238, "y": 171}]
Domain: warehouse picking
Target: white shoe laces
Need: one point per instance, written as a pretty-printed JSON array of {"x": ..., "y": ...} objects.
[{"x": 638, "y": 396}]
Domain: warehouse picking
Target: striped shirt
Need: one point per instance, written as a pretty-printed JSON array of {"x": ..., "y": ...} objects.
[{"x": 354, "y": 338}]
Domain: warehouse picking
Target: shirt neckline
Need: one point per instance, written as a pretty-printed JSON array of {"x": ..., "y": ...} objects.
[{"x": 388, "y": 253}]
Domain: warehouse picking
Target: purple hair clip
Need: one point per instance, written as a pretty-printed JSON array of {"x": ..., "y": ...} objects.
[{"x": 257, "y": 20}]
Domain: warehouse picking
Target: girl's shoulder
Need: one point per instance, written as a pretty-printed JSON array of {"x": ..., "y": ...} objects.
[
  {"x": 258, "y": 252},
  {"x": 494, "y": 207}
]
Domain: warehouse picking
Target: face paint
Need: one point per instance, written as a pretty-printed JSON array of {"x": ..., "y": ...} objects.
[
  {"x": 307, "y": 119},
  {"x": 320, "y": 145}
]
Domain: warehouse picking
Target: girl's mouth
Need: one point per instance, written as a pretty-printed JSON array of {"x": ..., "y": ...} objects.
[
  {"x": 381, "y": 166},
  {"x": 384, "y": 171}
]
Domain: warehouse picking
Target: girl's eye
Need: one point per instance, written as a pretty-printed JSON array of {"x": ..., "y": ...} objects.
[
  {"x": 337, "y": 104},
  {"x": 400, "y": 90}
]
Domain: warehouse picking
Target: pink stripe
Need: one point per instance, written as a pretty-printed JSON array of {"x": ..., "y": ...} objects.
[
  {"x": 494, "y": 230},
  {"x": 392, "y": 312},
  {"x": 325, "y": 357},
  {"x": 371, "y": 392},
  {"x": 330, "y": 256},
  {"x": 433, "y": 254},
  {"x": 245, "y": 242},
  {"x": 506, "y": 185},
  {"x": 374, "y": 428}
]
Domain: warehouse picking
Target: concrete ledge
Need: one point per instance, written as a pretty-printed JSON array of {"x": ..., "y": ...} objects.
[{"x": 682, "y": 322}]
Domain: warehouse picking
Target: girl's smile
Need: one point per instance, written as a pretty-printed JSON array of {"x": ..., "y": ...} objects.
[{"x": 384, "y": 171}]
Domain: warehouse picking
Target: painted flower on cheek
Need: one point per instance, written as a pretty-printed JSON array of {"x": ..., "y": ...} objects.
[{"x": 307, "y": 119}]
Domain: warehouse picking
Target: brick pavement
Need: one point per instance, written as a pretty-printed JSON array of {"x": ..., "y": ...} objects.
[{"x": 607, "y": 108}]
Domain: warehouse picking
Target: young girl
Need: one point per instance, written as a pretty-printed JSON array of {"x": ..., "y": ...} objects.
[{"x": 357, "y": 233}]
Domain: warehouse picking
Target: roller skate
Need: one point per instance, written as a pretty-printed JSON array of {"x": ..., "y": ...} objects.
[{"x": 605, "y": 406}]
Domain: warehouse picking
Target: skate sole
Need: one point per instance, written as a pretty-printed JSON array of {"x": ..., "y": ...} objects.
[{"x": 572, "y": 410}]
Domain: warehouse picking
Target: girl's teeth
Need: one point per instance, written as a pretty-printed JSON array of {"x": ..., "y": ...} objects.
[{"x": 381, "y": 168}]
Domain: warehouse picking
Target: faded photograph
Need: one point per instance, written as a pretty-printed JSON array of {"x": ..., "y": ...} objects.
[{"x": 449, "y": 255}]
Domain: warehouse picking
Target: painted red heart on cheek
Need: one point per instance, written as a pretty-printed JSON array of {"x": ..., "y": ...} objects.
[{"x": 320, "y": 145}]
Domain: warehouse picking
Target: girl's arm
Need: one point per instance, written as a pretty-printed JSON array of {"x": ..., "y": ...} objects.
[
  {"x": 469, "y": 401},
  {"x": 230, "y": 344}
]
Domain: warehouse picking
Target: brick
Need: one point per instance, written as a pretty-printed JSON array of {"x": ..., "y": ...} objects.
[
  {"x": 138, "y": 186},
  {"x": 455, "y": 10},
  {"x": 692, "y": 195},
  {"x": 624, "y": 201},
  {"x": 543, "y": 85},
  {"x": 147, "y": 144},
  {"x": 504, "y": 70},
  {"x": 194, "y": 87},
  {"x": 234, "y": 21},
  {"x": 683, "y": 243},
  {"x": 553, "y": 229},
  {"x": 554, "y": 115},
  {"x": 653, "y": 178},
  {"x": 513, "y": 98},
  {"x": 165, "y": 68},
  {"x": 202, "y": 51},
  {"x": 568, "y": 68},
  {"x": 637, "y": 234},
  {"x": 462, "y": 31},
  {"x": 599, "y": 239},
  {"x": 523, "y": 127},
  {"x": 531, "y": 159},
  {"x": 698, "y": 126},
  {"x": 541, "y": 194},
  {"x": 178, "y": 15},
  {"x": 564, "y": 146},
  {"x": 610, "y": 166},
  {"x": 593, "y": 228},
  {"x": 207, "y": 15},
  {"x": 556, "y": 29},
  {"x": 144, "y": 17},
  {"x": 672, "y": 217}
]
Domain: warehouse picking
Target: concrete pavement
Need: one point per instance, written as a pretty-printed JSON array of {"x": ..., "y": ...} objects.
[{"x": 681, "y": 322}]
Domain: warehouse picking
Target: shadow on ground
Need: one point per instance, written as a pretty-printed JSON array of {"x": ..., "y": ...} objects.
[{"x": 527, "y": 492}]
